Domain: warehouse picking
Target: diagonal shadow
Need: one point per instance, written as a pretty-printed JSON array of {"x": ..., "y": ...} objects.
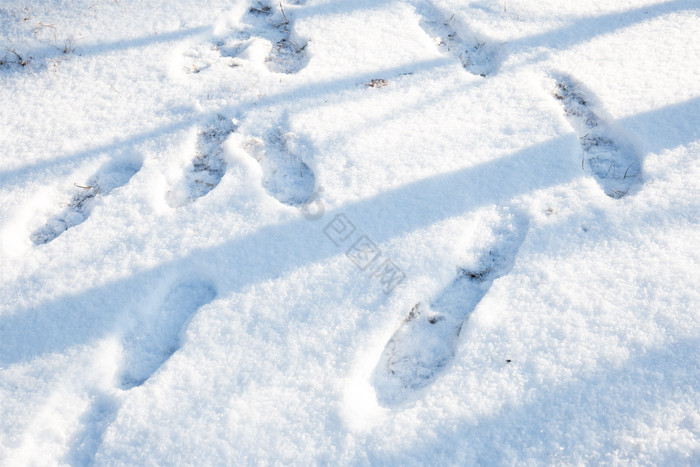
[
  {"x": 577, "y": 31},
  {"x": 52, "y": 52},
  {"x": 140, "y": 42},
  {"x": 584, "y": 29},
  {"x": 684, "y": 130},
  {"x": 313, "y": 91},
  {"x": 339, "y": 8}
]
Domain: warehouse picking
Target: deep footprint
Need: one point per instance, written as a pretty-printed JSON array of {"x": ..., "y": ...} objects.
[
  {"x": 208, "y": 166},
  {"x": 425, "y": 343},
  {"x": 476, "y": 56},
  {"x": 286, "y": 177},
  {"x": 155, "y": 335},
  {"x": 612, "y": 160},
  {"x": 110, "y": 176}
]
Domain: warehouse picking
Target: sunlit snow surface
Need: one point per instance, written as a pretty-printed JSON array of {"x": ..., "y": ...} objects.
[{"x": 349, "y": 232}]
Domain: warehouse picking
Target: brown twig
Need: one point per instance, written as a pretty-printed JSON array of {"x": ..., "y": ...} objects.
[
  {"x": 20, "y": 60},
  {"x": 283, "y": 14}
]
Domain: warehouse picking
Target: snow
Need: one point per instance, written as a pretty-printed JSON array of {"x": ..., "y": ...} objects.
[{"x": 349, "y": 232}]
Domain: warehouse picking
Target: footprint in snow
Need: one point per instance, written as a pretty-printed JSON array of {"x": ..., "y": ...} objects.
[
  {"x": 610, "y": 158},
  {"x": 110, "y": 176},
  {"x": 155, "y": 335},
  {"x": 286, "y": 177},
  {"x": 425, "y": 342},
  {"x": 287, "y": 55},
  {"x": 208, "y": 166},
  {"x": 476, "y": 56}
]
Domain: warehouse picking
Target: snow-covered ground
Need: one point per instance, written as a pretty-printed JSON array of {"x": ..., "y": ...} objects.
[{"x": 349, "y": 232}]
